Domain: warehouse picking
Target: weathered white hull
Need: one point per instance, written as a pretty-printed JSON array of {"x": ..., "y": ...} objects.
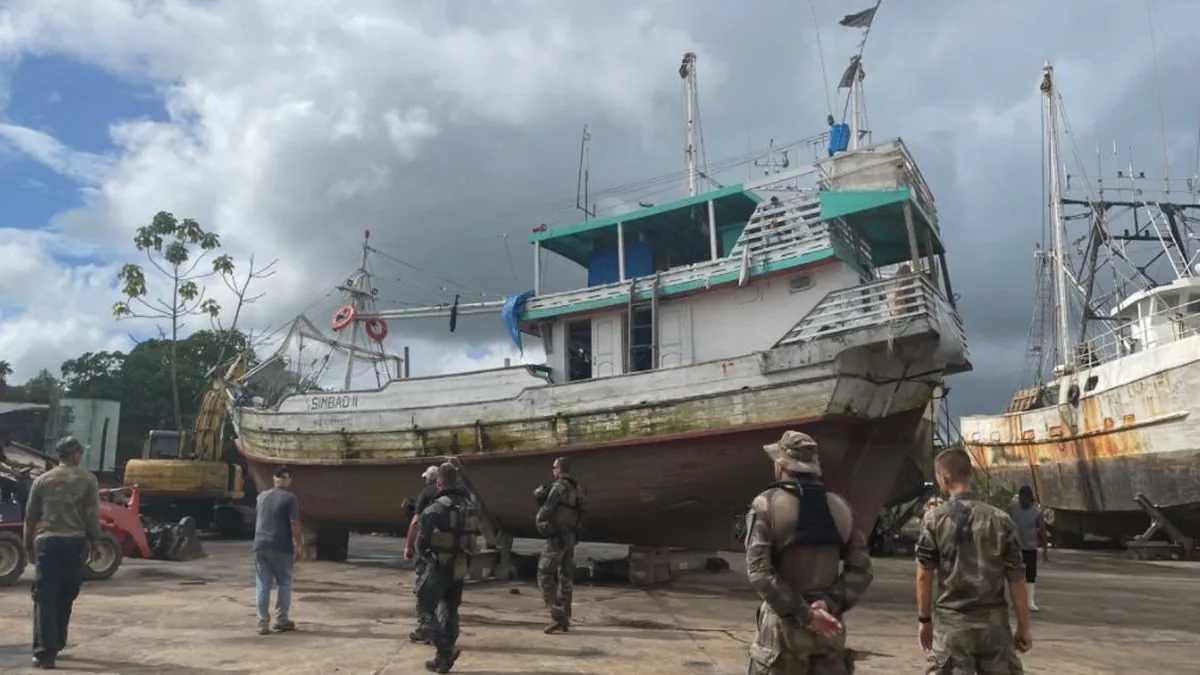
[
  {"x": 1137, "y": 431},
  {"x": 667, "y": 456}
]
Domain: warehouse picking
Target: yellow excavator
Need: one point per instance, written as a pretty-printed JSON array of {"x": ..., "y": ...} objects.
[{"x": 185, "y": 474}]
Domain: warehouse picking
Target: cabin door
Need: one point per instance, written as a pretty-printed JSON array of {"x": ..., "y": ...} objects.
[
  {"x": 606, "y": 335},
  {"x": 674, "y": 336}
]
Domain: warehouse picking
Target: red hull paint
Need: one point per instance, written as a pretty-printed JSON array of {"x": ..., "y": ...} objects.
[{"x": 683, "y": 490}]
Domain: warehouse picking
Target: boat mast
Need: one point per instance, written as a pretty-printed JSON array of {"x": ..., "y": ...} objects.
[
  {"x": 357, "y": 291},
  {"x": 1058, "y": 229},
  {"x": 687, "y": 71}
]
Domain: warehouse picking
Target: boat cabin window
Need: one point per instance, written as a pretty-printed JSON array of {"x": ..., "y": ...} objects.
[
  {"x": 1091, "y": 383},
  {"x": 641, "y": 340},
  {"x": 579, "y": 350}
]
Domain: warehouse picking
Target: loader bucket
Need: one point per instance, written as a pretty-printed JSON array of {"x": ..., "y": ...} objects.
[{"x": 178, "y": 542}]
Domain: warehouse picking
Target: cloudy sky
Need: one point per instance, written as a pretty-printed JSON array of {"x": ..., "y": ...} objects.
[{"x": 449, "y": 128}]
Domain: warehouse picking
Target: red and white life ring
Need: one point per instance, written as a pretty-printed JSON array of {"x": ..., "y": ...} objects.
[
  {"x": 344, "y": 316},
  {"x": 376, "y": 329}
]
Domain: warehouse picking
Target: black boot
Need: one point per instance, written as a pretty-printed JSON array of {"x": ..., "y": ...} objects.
[
  {"x": 443, "y": 663},
  {"x": 420, "y": 636}
]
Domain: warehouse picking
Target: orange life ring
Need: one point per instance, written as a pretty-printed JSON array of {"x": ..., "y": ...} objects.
[
  {"x": 344, "y": 316},
  {"x": 376, "y": 329}
]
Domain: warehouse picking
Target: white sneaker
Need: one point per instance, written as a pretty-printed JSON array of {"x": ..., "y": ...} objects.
[{"x": 1032, "y": 605}]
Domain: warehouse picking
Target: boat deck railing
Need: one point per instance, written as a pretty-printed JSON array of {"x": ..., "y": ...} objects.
[
  {"x": 1121, "y": 340},
  {"x": 796, "y": 235},
  {"x": 894, "y": 303}
]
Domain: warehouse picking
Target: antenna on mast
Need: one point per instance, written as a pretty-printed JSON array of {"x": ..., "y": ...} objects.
[
  {"x": 687, "y": 71},
  {"x": 581, "y": 180}
]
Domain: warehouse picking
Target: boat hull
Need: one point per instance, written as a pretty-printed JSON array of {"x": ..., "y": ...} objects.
[
  {"x": 682, "y": 491},
  {"x": 1135, "y": 433}
]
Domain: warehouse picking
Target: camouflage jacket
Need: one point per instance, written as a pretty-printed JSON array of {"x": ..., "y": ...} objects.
[
  {"x": 64, "y": 502},
  {"x": 973, "y": 547},
  {"x": 790, "y": 590},
  {"x": 561, "y": 516}
]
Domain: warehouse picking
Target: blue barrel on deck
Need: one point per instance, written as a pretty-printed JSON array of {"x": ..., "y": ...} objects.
[{"x": 839, "y": 138}]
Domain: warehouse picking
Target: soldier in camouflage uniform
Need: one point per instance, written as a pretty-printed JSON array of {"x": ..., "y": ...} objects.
[
  {"x": 559, "y": 519},
  {"x": 445, "y": 539},
  {"x": 807, "y": 558},
  {"x": 973, "y": 550},
  {"x": 62, "y": 526}
]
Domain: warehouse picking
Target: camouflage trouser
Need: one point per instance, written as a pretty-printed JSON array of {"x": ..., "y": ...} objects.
[
  {"x": 439, "y": 596},
  {"x": 419, "y": 569},
  {"x": 971, "y": 649},
  {"x": 556, "y": 578},
  {"x": 783, "y": 647}
]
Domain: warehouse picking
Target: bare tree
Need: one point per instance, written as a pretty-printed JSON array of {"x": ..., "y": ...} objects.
[
  {"x": 175, "y": 249},
  {"x": 239, "y": 290}
]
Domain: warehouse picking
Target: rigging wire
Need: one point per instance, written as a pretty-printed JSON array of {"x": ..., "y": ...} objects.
[
  {"x": 821, "y": 56},
  {"x": 1162, "y": 124}
]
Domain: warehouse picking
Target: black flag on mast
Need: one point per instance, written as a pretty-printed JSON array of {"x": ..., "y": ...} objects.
[
  {"x": 854, "y": 70},
  {"x": 859, "y": 19}
]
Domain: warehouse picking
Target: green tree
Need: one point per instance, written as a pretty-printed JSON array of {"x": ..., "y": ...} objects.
[
  {"x": 93, "y": 375},
  {"x": 146, "y": 385},
  {"x": 175, "y": 248},
  {"x": 5, "y": 372},
  {"x": 42, "y": 388}
]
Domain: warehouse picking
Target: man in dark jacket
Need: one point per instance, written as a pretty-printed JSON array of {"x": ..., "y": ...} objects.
[{"x": 421, "y": 634}]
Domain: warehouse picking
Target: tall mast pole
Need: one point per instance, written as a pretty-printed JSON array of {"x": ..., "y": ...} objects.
[
  {"x": 687, "y": 71},
  {"x": 358, "y": 290},
  {"x": 1059, "y": 235}
]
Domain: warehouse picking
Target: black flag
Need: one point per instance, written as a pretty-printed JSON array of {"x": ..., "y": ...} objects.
[
  {"x": 854, "y": 70},
  {"x": 859, "y": 19}
]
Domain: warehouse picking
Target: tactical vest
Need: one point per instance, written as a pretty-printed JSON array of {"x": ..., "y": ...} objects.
[
  {"x": 807, "y": 555},
  {"x": 453, "y": 539},
  {"x": 815, "y": 525},
  {"x": 568, "y": 514}
]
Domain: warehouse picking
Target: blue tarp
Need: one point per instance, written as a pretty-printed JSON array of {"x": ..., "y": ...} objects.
[
  {"x": 603, "y": 266},
  {"x": 510, "y": 314}
]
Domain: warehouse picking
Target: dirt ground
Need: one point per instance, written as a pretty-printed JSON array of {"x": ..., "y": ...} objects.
[{"x": 1101, "y": 614}]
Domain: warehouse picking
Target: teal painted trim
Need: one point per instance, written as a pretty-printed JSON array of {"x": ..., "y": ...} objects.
[
  {"x": 682, "y": 286},
  {"x": 611, "y": 221},
  {"x": 838, "y": 203}
]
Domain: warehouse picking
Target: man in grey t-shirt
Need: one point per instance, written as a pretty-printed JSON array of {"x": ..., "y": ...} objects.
[
  {"x": 276, "y": 544},
  {"x": 1031, "y": 532}
]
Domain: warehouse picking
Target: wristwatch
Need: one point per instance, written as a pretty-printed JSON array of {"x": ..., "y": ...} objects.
[{"x": 924, "y": 619}]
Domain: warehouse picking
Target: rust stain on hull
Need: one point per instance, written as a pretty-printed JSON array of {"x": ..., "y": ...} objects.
[{"x": 1091, "y": 472}]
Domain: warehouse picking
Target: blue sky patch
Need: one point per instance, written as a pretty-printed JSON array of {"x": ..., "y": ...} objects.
[{"x": 75, "y": 103}]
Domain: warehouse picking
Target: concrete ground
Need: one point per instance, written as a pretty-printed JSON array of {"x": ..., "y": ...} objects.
[{"x": 1102, "y": 614}]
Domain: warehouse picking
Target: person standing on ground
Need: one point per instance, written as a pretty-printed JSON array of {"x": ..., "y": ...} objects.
[
  {"x": 421, "y": 634},
  {"x": 972, "y": 548},
  {"x": 1031, "y": 532},
  {"x": 560, "y": 520},
  {"x": 807, "y": 559},
  {"x": 62, "y": 528},
  {"x": 277, "y": 543},
  {"x": 446, "y": 539}
]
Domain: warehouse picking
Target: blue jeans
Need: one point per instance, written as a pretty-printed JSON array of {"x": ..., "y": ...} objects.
[{"x": 273, "y": 567}]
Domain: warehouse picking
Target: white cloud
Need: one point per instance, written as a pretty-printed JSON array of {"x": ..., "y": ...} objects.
[{"x": 291, "y": 125}]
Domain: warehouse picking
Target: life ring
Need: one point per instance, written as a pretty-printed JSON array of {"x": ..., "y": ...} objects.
[
  {"x": 376, "y": 329},
  {"x": 1073, "y": 395},
  {"x": 344, "y": 316}
]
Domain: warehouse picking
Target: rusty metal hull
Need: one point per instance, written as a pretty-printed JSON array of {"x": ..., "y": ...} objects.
[
  {"x": 681, "y": 492},
  {"x": 1136, "y": 432}
]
